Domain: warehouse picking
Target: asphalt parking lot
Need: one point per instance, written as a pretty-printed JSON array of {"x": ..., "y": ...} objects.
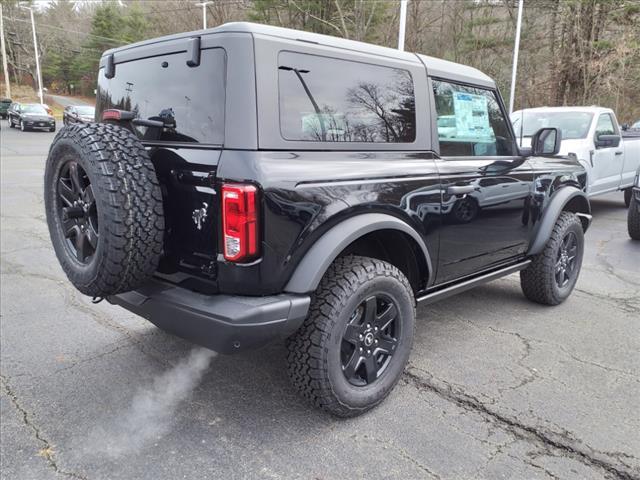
[{"x": 497, "y": 387}]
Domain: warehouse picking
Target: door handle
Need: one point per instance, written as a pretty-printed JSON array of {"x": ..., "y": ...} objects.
[
  {"x": 618, "y": 153},
  {"x": 460, "y": 189}
]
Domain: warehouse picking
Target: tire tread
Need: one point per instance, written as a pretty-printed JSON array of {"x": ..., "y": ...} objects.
[{"x": 306, "y": 361}]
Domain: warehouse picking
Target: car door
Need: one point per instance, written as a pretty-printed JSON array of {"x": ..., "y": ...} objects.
[
  {"x": 607, "y": 161},
  {"x": 485, "y": 183}
]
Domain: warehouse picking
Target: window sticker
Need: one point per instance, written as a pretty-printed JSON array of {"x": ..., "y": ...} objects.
[{"x": 472, "y": 117}]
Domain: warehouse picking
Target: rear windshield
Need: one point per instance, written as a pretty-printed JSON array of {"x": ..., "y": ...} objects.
[
  {"x": 189, "y": 100},
  {"x": 572, "y": 124}
]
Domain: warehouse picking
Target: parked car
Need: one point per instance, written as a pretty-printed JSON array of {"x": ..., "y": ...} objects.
[
  {"x": 31, "y": 116},
  {"x": 5, "y": 103},
  {"x": 633, "y": 217},
  {"x": 280, "y": 204},
  {"x": 611, "y": 157},
  {"x": 78, "y": 114},
  {"x": 634, "y": 127}
]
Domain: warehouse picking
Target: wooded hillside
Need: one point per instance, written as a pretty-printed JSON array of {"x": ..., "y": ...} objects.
[{"x": 574, "y": 52}]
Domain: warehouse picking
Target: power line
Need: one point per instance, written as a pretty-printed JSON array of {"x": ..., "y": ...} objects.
[{"x": 119, "y": 42}]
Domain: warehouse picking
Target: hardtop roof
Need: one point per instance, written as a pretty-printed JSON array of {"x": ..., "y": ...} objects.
[
  {"x": 435, "y": 66},
  {"x": 591, "y": 109}
]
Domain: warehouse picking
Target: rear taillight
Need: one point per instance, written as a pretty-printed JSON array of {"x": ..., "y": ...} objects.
[{"x": 240, "y": 222}]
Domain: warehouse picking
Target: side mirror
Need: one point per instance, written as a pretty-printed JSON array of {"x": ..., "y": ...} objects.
[
  {"x": 625, "y": 126},
  {"x": 546, "y": 141},
  {"x": 604, "y": 141}
]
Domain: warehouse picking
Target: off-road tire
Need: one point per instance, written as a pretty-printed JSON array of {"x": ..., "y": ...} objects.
[
  {"x": 128, "y": 203},
  {"x": 538, "y": 279},
  {"x": 633, "y": 221},
  {"x": 314, "y": 350},
  {"x": 628, "y": 193}
]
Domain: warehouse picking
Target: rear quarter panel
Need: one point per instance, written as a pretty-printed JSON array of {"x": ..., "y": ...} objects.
[{"x": 336, "y": 186}]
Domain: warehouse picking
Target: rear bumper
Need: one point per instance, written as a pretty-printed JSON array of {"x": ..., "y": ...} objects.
[{"x": 224, "y": 323}]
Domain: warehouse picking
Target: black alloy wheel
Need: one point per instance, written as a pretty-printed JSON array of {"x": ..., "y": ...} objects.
[
  {"x": 566, "y": 259},
  {"x": 354, "y": 344},
  {"x": 77, "y": 212},
  {"x": 552, "y": 274},
  {"x": 370, "y": 340}
]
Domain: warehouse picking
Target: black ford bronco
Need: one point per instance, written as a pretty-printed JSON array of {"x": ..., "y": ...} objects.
[{"x": 248, "y": 183}]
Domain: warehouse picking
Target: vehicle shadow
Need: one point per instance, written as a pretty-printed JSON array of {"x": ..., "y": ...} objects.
[
  {"x": 253, "y": 388},
  {"x": 605, "y": 205}
]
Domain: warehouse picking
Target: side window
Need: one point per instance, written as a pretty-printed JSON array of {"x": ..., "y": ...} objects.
[
  {"x": 330, "y": 100},
  {"x": 470, "y": 121},
  {"x": 605, "y": 125}
]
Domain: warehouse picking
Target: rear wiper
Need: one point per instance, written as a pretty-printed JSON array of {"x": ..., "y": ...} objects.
[{"x": 148, "y": 123}]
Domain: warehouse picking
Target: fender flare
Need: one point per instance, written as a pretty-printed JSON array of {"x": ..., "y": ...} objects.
[
  {"x": 307, "y": 275},
  {"x": 553, "y": 210}
]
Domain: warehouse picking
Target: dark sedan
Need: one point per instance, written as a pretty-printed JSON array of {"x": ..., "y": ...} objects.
[
  {"x": 31, "y": 116},
  {"x": 5, "y": 103},
  {"x": 78, "y": 114}
]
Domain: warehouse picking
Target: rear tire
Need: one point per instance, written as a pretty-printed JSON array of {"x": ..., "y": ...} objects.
[
  {"x": 337, "y": 359},
  {"x": 633, "y": 221},
  {"x": 104, "y": 208},
  {"x": 628, "y": 192},
  {"x": 552, "y": 275}
]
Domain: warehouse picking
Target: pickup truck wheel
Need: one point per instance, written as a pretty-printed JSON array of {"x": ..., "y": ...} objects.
[
  {"x": 633, "y": 221},
  {"x": 553, "y": 273},
  {"x": 353, "y": 347},
  {"x": 628, "y": 192},
  {"x": 104, "y": 208}
]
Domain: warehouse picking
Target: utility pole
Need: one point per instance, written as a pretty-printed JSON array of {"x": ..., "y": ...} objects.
[
  {"x": 516, "y": 49},
  {"x": 204, "y": 13},
  {"x": 403, "y": 23},
  {"x": 7, "y": 86},
  {"x": 35, "y": 48}
]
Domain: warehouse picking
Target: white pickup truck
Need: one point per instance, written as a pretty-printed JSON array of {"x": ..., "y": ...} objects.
[{"x": 611, "y": 157}]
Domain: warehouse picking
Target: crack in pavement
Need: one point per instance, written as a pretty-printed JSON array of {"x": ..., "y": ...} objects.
[
  {"x": 71, "y": 300},
  {"x": 400, "y": 451},
  {"x": 547, "y": 439},
  {"x": 47, "y": 452},
  {"x": 623, "y": 303},
  {"x": 534, "y": 374}
]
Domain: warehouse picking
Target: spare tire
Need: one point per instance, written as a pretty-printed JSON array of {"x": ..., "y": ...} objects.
[{"x": 104, "y": 208}]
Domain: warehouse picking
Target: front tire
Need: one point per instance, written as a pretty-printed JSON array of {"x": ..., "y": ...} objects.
[
  {"x": 353, "y": 347},
  {"x": 633, "y": 221},
  {"x": 553, "y": 273},
  {"x": 628, "y": 192}
]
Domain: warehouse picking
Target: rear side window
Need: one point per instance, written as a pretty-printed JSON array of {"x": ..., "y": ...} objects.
[
  {"x": 470, "y": 121},
  {"x": 190, "y": 100},
  {"x": 330, "y": 100}
]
